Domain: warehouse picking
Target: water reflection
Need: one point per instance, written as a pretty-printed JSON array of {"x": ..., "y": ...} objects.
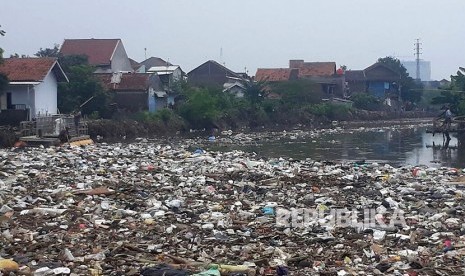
[{"x": 412, "y": 146}]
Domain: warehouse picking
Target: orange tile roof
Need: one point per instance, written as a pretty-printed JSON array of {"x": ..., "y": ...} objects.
[
  {"x": 98, "y": 51},
  {"x": 26, "y": 69},
  {"x": 274, "y": 74},
  {"x": 320, "y": 69}
]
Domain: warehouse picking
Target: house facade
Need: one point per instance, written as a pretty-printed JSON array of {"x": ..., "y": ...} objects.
[
  {"x": 33, "y": 84},
  {"x": 134, "y": 92},
  {"x": 107, "y": 55},
  {"x": 378, "y": 80},
  {"x": 211, "y": 73},
  {"x": 168, "y": 74},
  {"x": 323, "y": 73}
]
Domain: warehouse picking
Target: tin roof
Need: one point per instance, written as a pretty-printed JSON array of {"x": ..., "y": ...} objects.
[{"x": 125, "y": 82}]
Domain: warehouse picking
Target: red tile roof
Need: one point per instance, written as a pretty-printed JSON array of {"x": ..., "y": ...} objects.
[
  {"x": 27, "y": 69},
  {"x": 128, "y": 82},
  {"x": 314, "y": 69},
  {"x": 275, "y": 74},
  {"x": 98, "y": 51}
]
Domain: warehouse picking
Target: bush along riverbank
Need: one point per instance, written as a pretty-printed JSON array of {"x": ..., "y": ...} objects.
[{"x": 167, "y": 124}]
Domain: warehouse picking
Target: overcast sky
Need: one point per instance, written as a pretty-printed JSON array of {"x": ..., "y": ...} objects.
[{"x": 248, "y": 33}]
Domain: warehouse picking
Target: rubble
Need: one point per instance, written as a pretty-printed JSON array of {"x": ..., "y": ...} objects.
[{"x": 147, "y": 208}]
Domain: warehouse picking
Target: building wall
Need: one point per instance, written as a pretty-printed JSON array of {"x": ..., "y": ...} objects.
[
  {"x": 357, "y": 86},
  {"x": 46, "y": 96},
  {"x": 132, "y": 101},
  {"x": 120, "y": 61},
  {"x": 209, "y": 74}
]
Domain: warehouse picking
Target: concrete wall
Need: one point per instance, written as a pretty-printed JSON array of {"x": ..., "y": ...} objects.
[
  {"x": 120, "y": 60},
  {"x": 46, "y": 96}
]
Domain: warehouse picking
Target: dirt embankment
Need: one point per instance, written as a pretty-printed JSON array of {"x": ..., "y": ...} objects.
[{"x": 117, "y": 130}]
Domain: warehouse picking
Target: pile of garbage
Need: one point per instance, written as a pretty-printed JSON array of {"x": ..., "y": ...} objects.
[{"x": 156, "y": 209}]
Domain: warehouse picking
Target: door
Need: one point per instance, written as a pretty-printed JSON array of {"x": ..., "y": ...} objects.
[{"x": 9, "y": 102}]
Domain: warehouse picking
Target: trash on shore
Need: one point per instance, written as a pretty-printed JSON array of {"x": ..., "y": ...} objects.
[{"x": 156, "y": 209}]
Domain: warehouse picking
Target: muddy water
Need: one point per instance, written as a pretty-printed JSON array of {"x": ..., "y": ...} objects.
[{"x": 396, "y": 146}]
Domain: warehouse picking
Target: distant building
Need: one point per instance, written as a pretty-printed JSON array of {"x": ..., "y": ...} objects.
[
  {"x": 425, "y": 69},
  {"x": 107, "y": 55},
  {"x": 211, "y": 73},
  {"x": 32, "y": 86}
]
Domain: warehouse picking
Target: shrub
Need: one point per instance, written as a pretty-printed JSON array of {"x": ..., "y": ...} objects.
[{"x": 366, "y": 101}]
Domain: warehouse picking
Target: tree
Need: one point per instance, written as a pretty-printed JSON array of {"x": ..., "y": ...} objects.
[
  {"x": 3, "y": 78},
  {"x": 255, "y": 92},
  {"x": 410, "y": 89},
  {"x": 82, "y": 86},
  {"x": 454, "y": 96},
  {"x": 49, "y": 52}
]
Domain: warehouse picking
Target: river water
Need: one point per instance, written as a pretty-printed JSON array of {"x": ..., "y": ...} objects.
[{"x": 397, "y": 146}]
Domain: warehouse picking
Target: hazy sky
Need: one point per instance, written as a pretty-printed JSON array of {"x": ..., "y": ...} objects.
[{"x": 251, "y": 33}]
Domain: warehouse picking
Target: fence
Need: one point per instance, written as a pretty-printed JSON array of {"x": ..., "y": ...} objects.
[{"x": 52, "y": 125}]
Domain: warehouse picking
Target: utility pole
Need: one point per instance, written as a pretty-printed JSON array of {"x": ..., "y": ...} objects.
[{"x": 417, "y": 58}]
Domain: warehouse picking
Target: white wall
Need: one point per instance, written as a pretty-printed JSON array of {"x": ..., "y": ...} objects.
[
  {"x": 46, "y": 96},
  {"x": 120, "y": 61}
]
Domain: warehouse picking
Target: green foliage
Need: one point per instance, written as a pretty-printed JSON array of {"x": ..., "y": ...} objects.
[
  {"x": 455, "y": 98},
  {"x": 49, "y": 52},
  {"x": 201, "y": 108},
  {"x": 298, "y": 93},
  {"x": 331, "y": 111},
  {"x": 164, "y": 116},
  {"x": 3, "y": 78},
  {"x": 366, "y": 101},
  {"x": 255, "y": 92},
  {"x": 82, "y": 86}
]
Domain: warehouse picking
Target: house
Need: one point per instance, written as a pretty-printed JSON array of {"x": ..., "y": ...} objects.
[
  {"x": 135, "y": 92},
  {"x": 276, "y": 74},
  {"x": 154, "y": 61},
  {"x": 237, "y": 89},
  {"x": 136, "y": 66},
  {"x": 168, "y": 74},
  {"x": 107, "y": 55},
  {"x": 323, "y": 73},
  {"x": 211, "y": 73},
  {"x": 32, "y": 86},
  {"x": 378, "y": 79}
]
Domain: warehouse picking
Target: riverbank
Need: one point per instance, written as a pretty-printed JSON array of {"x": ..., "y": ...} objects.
[{"x": 120, "y": 130}]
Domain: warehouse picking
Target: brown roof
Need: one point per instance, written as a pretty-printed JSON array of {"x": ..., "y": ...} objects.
[
  {"x": 98, "y": 51},
  {"x": 31, "y": 69},
  {"x": 313, "y": 69},
  {"x": 355, "y": 75},
  {"x": 128, "y": 82},
  {"x": 275, "y": 74}
]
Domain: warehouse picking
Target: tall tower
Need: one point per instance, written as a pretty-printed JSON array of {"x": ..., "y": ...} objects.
[{"x": 417, "y": 58}]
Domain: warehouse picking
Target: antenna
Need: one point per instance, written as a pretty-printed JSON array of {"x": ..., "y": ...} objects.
[
  {"x": 145, "y": 53},
  {"x": 417, "y": 58},
  {"x": 221, "y": 54}
]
